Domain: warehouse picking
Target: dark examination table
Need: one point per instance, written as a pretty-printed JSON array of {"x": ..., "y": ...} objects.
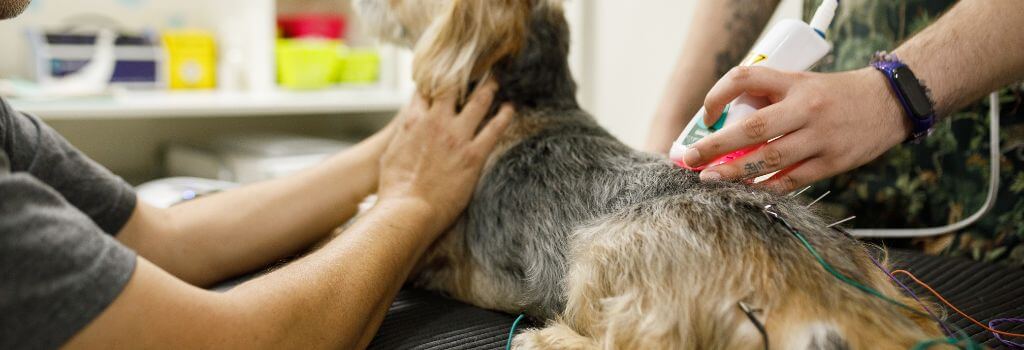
[{"x": 424, "y": 320}]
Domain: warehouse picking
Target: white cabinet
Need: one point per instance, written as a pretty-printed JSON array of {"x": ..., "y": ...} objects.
[{"x": 249, "y": 26}]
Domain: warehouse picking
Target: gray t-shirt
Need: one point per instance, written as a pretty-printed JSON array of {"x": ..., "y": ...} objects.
[{"x": 59, "y": 263}]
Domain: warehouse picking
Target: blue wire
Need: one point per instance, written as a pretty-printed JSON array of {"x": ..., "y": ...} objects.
[{"x": 511, "y": 332}]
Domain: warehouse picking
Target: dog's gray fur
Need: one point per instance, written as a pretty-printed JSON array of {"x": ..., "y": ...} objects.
[{"x": 562, "y": 183}]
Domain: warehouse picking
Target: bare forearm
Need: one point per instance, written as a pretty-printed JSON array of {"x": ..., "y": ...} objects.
[
  {"x": 335, "y": 297},
  {"x": 721, "y": 34},
  {"x": 312, "y": 301},
  {"x": 975, "y": 48},
  {"x": 233, "y": 232},
  {"x": 245, "y": 229}
]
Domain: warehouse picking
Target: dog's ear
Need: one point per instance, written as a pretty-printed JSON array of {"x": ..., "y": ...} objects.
[{"x": 466, "y": 41}]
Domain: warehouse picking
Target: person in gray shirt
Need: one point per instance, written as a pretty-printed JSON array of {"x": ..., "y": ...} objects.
[
  {"x": 59, "y": 263},
  {"x": 83, "y": 264}
]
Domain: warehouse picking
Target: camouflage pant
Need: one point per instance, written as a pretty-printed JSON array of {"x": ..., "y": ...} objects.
[{"x": 944, "y": 179}]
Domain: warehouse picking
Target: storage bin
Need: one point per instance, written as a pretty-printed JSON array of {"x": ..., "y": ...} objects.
[
  {"x": 305, "y": 64},
  {"x": 191, "y": 59},
  {"x": 358, "y": 66}
]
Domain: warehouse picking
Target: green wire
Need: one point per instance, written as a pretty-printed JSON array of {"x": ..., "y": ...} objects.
[
  {"x": 847, "y": 280},
  {"x": 925, "y": 344},
  {"x": 512, "y": 332}
]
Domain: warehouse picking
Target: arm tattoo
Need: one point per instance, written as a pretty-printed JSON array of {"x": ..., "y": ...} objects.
[{"x": 748, "y": 20}]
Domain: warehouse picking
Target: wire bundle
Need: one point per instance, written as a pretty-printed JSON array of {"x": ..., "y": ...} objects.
[
  {"x": 991, "y": 327},
  {"x": 963, "y": 341},
  {"x": 960, "y": 340}
]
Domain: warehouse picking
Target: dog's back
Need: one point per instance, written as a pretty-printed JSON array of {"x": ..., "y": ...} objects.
[
  {"x": 537, "y": 192},
  {"x": 672, "y": 273},
  {"x": 627, "y": 251},
  {"x": 618, "y": 248}
]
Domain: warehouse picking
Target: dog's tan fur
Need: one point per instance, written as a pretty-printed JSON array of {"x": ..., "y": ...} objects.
[
  {"x": 642, "y": 284},
  {"x": 469, "y": 38},
  {"x": 661, "y": 280}
]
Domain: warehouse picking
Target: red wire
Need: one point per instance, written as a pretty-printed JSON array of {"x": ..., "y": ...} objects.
[{"x": 944, "y": 301}]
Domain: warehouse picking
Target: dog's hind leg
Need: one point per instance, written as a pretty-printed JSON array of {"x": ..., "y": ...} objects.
[
  {"x": 449, "y": 268},
  {"x": 555, "y": 336}
]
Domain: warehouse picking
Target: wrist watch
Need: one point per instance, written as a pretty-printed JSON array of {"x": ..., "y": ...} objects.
[{"x": 913, "y": 96}]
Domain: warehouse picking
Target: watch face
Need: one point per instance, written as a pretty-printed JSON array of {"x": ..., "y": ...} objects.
[{"x": 913, "y": 92}]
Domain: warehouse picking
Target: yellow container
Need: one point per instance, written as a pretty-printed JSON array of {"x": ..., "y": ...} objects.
[
  {"x": 358, "y": 66},
  {"x": 191, "y": 59},
  {"x": 305, "y": 64}
]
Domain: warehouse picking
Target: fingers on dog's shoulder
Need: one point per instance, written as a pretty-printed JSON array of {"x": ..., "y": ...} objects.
[
  {"x": 492, "y": 132},
  {"x": 480, "y": 102},
  {"x": 415, "y": 111},
  {"x": 419, "y": 103},
  {"x": 444, "y": 105},
  {"x": 485, "y": 90}
]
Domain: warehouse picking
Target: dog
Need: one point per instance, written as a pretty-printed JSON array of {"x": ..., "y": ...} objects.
[{"x": 612, "y": 247}]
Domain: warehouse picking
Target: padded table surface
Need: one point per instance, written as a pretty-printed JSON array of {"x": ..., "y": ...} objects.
[
  {"x": 423, "y": 320},
  {"x": 981, "y": 290}
]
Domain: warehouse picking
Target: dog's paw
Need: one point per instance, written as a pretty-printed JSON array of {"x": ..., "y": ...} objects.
[{"x": 555, "y": 336}]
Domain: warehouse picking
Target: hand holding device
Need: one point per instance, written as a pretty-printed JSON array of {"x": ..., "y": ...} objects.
[
  {"x": 790, "y": 45},
  {"x": 811, "y": 126},
  {"x": 829, "y": 122}
]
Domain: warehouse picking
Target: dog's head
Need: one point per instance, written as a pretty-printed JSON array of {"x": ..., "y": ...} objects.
[{"x": 455, "y": 42}]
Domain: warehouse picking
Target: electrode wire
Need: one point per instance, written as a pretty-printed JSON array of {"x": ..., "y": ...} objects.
[
  {"x": 944, "y": 301},
  {"x": 911, "y": 293},
  {"x": 995, "y": 322},
  {"x": 971, "y": 344},
  {"x": 512, "y": 331}
]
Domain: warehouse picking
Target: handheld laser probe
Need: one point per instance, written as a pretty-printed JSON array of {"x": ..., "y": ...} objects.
[{"x": 790, "y": 45}]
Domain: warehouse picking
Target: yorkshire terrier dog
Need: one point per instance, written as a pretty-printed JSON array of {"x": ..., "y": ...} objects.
[{"x": 615, "y": 248}]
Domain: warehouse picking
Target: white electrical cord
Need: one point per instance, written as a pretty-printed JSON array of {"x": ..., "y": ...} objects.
[{"x": 990, "y": 200}]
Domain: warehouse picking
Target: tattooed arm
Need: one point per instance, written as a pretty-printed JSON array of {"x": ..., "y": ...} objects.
[{"x": 721, "y": 34}]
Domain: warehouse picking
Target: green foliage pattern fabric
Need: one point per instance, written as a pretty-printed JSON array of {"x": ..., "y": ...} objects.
[{"x": 945, "y": 178}]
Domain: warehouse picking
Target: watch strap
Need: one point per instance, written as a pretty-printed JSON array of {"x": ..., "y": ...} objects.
[{"x": 921, "y": 126}]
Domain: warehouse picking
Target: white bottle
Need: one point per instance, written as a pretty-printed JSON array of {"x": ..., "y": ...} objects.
[{"x": 790, "y": 45}]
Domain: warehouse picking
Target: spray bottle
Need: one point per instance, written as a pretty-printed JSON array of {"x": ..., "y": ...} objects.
[{"x": 790, "y": 45}]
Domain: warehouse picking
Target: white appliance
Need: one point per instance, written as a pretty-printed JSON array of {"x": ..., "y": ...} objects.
[
  {"x": 164, "y": 193},
  {"x": 249, "y": 158}
]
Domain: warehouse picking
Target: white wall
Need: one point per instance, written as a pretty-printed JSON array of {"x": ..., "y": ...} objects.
[{"x": 630, "y": 49}]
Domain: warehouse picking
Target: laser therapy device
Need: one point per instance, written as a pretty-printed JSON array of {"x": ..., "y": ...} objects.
[
  {"x": 796, "y": 46},
  {"x": 790, "y": 45}
]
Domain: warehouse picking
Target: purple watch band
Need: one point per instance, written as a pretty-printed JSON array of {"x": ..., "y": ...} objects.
[{"x": 921, "y": 125}]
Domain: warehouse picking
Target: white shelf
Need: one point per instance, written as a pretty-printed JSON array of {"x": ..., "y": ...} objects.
[
  {"x": 217, "y": 104},
  {"x": 252, "y": 24}
]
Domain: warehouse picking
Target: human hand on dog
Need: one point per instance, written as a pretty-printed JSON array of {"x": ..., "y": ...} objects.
[
  {"x": 435, "y": 158},
  {"x": 828, "y": 123}
]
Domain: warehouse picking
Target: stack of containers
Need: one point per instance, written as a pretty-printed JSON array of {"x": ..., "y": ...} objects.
[{"x": 312, "y": 55}]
